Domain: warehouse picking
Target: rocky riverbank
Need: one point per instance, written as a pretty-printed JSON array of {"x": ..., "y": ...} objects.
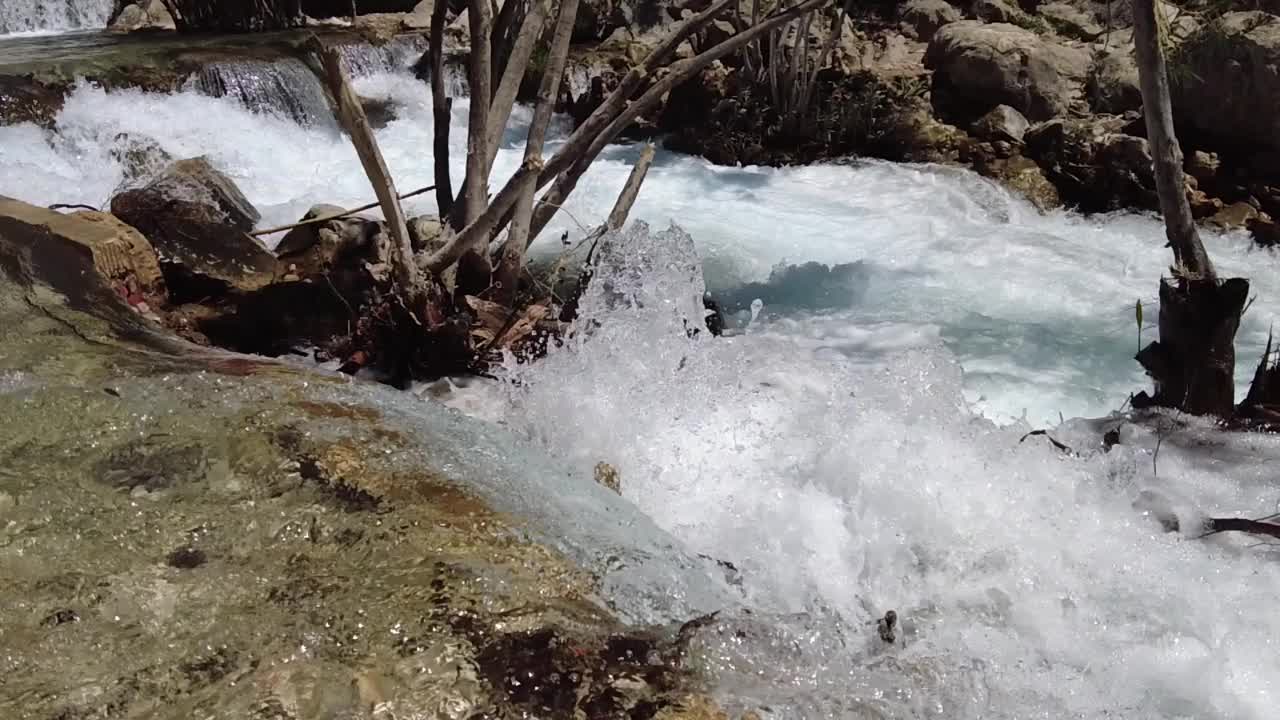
[{"x": 1041, "y": 96}]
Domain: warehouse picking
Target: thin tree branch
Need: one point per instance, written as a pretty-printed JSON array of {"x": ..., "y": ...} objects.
[
  {"x": 482, "y": 227},
  {"x": 677, "y": 73},
  {"x": 504, "y": 98},
  {"x": 337, "y": 216},
  {"x": 442, "y": 110},
  {"x": 512, "y": 261},
  {"x": 479, "y": 75}
]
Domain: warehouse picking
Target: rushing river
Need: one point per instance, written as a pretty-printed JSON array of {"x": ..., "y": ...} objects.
[{"x": 856, "y": 448}]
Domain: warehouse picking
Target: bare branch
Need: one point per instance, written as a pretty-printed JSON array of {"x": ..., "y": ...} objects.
[
  {"x": 1189, "y": 253},
  {"x": 504, "y": 98},
  {"x": 509, "y": 267},
  {"x": 677, "y": 73},
  {"x": 479, "y": 230},
  {"x": 441, "y": 107},
  {"x": 336, "y": 216},
  {"x": 627, "y": 198},
  {"x": 479, "y": 76},
  {"x": 351, "y": 115}
]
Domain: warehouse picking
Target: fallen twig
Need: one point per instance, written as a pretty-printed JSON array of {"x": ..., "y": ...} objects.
[
  {"x": 337, "y": 216},
  {"x": 1245, "y": 525},
  {"x": 1045, "y": 433}
]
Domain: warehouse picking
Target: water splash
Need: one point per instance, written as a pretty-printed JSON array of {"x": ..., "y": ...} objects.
[{"x": 844, "y": 485}]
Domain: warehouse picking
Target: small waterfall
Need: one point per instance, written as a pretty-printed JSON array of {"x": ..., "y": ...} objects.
[
  {"x": 286, "y": 87},
  {"x": 289, "y": 88},
  {"x": 362, "y": 59},
  {"x": 53, "y": 15}
]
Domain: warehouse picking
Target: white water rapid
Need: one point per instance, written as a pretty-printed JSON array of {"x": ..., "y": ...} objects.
[
  {"x": 857, "y": 447},
  {"x": 52, "y": 16}
]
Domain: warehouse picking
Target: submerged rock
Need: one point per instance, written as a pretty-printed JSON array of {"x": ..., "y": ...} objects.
[{"x": 259, "y": 540}]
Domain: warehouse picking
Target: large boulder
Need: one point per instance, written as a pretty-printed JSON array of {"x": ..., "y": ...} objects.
[
  {"x": 145, "y": 15},
  {"x": 1224, "y": 82},
  {"x": 977, "y": 67},
  {"x": 198, "y": 221},
  {"x": 922, "y": 18}
]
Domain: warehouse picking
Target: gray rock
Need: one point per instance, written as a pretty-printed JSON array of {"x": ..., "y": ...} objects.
[
  {"x": 1002, "y": 123},
  {"x": 977, "y": 67},
  {"x": 922, "y": 18}
]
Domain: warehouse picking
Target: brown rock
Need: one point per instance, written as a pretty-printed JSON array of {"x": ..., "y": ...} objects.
[{"x": 145, "y": 15}]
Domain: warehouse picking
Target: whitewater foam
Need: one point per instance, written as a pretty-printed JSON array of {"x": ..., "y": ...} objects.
[{"x": 845, "y": 484}]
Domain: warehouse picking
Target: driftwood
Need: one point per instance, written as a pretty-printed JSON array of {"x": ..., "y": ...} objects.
[
  {"x": 337, "y": 216},
  {"x": 1244, "y": 525},
  {"x": 353, "y": 119}
]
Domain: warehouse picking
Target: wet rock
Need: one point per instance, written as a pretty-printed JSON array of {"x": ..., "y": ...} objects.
[
  {"x": 380, "y": 111},
  {"x": 26, "y": 98},
  {"x": 141, "y": 157},
  {"x": 1094, "y": 164},
  {"x": 922, "y": 18},
  {"x": 145, "y": 15},
  {"x": 1223, "y": 81},
  {"x": 1022, "y": 175},
  {"x": 977, "y": 67},
  {"x": 197, "y": 220},
  {"x": 1002, "y": 123},
  {"x": 186, "y": 558},
  {"x": 1265, "y": 233},
  {"x": 1204, "y": 167}
]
